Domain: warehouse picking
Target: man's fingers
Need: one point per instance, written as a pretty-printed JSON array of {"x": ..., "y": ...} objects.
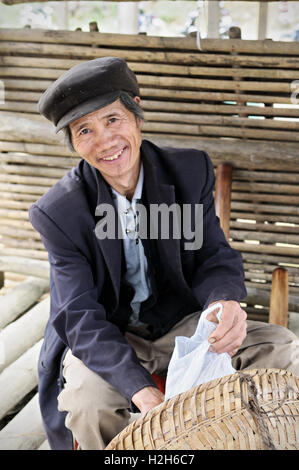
[
  {"x": 230, "y": 317},
  {"x": 232, "y": 340}
]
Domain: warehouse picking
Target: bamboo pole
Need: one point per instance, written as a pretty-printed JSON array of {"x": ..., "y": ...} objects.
[
  {"x": 261, "y": 134},
  {"x": 33, "y": 255},
  {"x": 37, "y": 149},
  {"x": 18, "y": 243},
  {"x": 170, "y": 106},
  {"x": 18, "y": 379},
  {"x": 136, "y": 55},
  {"x": 18, "y": 224},
  {"x": 17, "y": 214},
  {"x": 266, "y": 286},
  {"x": 139, "y": 41},
  {"x": 14, "y": 127},
  {"x": 284, "y": 199},
  {"x": 265, "y": 187},
  {"x": 219, "y": 120},
  {"x": 33, "y": 67},
  {"x": 224, "y": 60},
  {"x": 264, "y": 217},
  {"x": 250, "y": 155},
  {"x": 146, "y": 82},
  {"x": 25, "y": 431},
  {"x": 212, "y": 130},
  {"x": 266, "y": 237},
  {"x": 24, "y": 332},
  {"x": 264, "y": 227},
  {"x": 12, "y": 204},
  {"x": 253, "y": 275},
  {"x": 8, "y": 231},
  {"x": 32, "y": 96},
  {"x": 20, "y": 299},
  {"x": 188, "y": 76},
  {"x": 261, "y": 248},
  {"x": 57, "y": 163},
  {"x": 32, "y": 170},
  {"x": 24, "y": 266},
  {"x": 268, "y": 268},
  {"x": 29, "y": 189},
  {"x": 28, "y": 180},
  {"x": 161, "y": 109},
  {"x": 265, "y": 208},
  {"x": 270, "y": 175},
  {"x": 272, "y": 260}
]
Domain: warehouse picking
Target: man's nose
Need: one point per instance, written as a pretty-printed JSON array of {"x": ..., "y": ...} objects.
[{"x": 103, "y": 136}]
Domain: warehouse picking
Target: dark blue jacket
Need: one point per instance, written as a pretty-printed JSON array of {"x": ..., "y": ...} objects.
[{"x": 88, "y": 299}]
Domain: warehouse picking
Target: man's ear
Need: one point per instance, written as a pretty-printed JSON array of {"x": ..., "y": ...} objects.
[{"x": 137, "y": 99}]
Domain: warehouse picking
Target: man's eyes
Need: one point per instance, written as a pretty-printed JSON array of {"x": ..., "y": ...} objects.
[{"x": 84, "y": 131}]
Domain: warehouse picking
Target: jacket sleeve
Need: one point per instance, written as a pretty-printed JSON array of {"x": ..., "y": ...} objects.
[
  {"x": 219, "y": 274},
  {"x": 80, "y": 319}
]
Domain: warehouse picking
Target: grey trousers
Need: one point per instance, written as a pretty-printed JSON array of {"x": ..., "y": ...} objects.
[{"x": 97, "y": 412}]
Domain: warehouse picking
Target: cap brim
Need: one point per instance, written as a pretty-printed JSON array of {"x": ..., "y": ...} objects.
[{"x": 87, "y": 107}]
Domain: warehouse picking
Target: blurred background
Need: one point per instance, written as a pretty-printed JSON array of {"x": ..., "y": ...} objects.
[{"x": 160, "y": 17}]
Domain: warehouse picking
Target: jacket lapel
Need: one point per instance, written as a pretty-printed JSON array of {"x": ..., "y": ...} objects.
[
  {"x": 161, "y": 193},
  {"x": 111, "y": 248}
]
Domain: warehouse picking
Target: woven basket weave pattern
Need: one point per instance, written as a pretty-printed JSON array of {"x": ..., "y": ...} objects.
[{"x": 222, "y": 414}]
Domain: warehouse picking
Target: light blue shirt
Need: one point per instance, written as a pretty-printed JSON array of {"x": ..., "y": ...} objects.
[{"x": 136, "y": 262}]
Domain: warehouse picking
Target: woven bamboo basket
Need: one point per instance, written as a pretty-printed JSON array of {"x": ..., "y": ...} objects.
[{"x": 250, "y": 410}]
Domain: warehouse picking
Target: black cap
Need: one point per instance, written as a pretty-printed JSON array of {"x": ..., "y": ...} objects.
[{"x": 85, "y": 88}]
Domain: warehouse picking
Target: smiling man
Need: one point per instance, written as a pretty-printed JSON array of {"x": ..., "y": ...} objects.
[{"x": 117, "y": 303}]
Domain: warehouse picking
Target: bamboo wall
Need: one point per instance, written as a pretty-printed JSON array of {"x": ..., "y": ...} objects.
[{"x": 230, "y": 98}]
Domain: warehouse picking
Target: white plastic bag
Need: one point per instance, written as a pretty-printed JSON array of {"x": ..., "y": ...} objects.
[{"x": 192, "y": 363}]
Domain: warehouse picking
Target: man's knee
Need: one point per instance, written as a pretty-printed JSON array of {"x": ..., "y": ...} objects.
[
  {"x": 268, "y": 346},
  {"x": 84, "y": 390}
]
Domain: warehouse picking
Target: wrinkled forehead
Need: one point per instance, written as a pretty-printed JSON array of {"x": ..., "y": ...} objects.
[{"x": 114, "y": 109}]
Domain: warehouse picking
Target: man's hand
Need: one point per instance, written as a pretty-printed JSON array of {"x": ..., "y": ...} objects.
[
  {"x": 231, "y": 331},
  {"x": 147, "y": 398}
]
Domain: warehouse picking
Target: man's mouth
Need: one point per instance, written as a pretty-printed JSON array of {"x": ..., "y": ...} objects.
[{"x": 113, "y": 157}]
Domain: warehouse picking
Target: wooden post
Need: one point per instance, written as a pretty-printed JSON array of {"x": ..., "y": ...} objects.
[
  {"x": 262, "y": 20},
  {"x": 213, "y": 14},
  {"x": 128, "y": 18},
  {"x": 279, "y": 297},
  {"x": 223, "y": 196},
  {"x": 93, "y": 26}
]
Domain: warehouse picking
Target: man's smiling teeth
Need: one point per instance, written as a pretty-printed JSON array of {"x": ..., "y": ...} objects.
[{"x": 114, "y": 157}]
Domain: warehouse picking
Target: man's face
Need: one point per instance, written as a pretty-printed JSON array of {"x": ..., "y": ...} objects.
[{"x": 109, "y": 139}]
